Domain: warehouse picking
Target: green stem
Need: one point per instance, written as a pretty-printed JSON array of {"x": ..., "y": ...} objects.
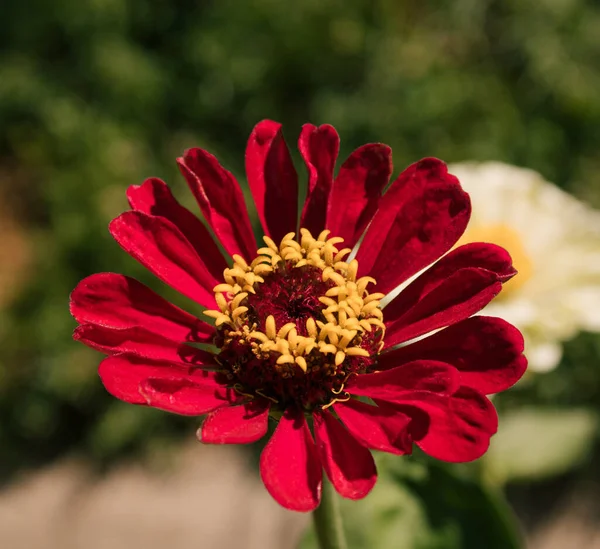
[{"x": 328, "y": 520}]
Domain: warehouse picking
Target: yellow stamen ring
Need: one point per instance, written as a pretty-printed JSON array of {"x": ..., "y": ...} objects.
[{"x": 350, "y": 310}]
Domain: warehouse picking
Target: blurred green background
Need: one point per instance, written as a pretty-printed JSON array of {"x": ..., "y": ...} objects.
[{"x": 99, "y": 95}]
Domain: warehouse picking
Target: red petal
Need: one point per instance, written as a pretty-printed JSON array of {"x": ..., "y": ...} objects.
[
  {"x": 459, "y": 296},
  {"x": 159, "y": 245},
  {"x": 482, "y": 255},
  {"x": 319, "y": 148},
  {"x": 154, "y": 197},
  {"x": 123, "y": 374},
  {"x": 348, "y": 464},
  {"x": 487, "y": 352},
  {"x": 236, "y": 424},
  {"x": 485, "y": 257},
  {"x": 420, "y": 218},
  {"x": 184, "y": 396},
  {"x": 356, "y": 191},
  {"x": 420, "y": 375},
  {"x": 458, "y": 427},
  {"x": 290, "y": 467},
  {"x": 457, "y": 286},
  {"x": 377, "y": 428},
  {"x": 272, "y": 179},
  {"x": 221, "y": 200},
  {"x": 140, "y": 342},
  {"x": 117, "y": 301}
]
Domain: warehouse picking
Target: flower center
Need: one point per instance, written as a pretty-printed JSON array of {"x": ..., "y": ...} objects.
[
  {"x": 296, "y": 323},
  {"x": 510, "y": 240}
]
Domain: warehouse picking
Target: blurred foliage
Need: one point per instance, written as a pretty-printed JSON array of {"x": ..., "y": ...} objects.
[
  {"x": 419, "y": 506},
  {"x": 98, "y": 95},
  {"x": 555, "y": 439}
]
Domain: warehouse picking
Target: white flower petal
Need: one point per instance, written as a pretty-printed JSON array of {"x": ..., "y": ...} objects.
[
  {"x": 543, "y": 357},
  {"x": 558, "y": 238}
]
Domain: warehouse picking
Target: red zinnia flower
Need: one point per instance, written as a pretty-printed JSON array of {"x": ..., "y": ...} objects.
[{"x": 299, "y": 333}]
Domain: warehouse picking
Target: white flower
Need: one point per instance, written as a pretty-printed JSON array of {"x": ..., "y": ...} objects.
[{"x": 554, "y": 241}]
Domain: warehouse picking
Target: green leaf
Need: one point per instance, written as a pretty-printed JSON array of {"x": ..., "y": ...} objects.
[
  {"x": 426, "y": 506},
  {"x": 533, "y": 444}
]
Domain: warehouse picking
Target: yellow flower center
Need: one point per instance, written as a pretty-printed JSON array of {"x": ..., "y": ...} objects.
[{"x": 296, "y": 322}]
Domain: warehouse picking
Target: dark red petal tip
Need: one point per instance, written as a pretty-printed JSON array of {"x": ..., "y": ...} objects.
[
  {"x": 454, "y": 429},
  {"x": 123, "y": 374},
  {"x": 236, "y": 424},
  {"x": 140, "y": 342},
  {"x": 483, "y": 255},
  {"x": 487, "y": 352},
  {"x": 154, "y": 197},
  {"x": 272, "y": 179},
  {"x": 183, "y": 395},
  {"x": 356, "y": 191},
  {"x": 348, "y": 464},
  {"x": 319, "y": 147},
  {"x": 421, "y": 216},
  {"x": 162, "y": 248},
  {"x": 381, "y": 429},
  {"x": 457, "y": 286},
  {"x": 115, "y": 301},
  {"x": 290, "y": 466},
  {"x": 394, "y": 384},
  {"x": 221, "y": 200},
  {"x": 433, "y": 166},
  {"x": 461, "y": 295}
]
